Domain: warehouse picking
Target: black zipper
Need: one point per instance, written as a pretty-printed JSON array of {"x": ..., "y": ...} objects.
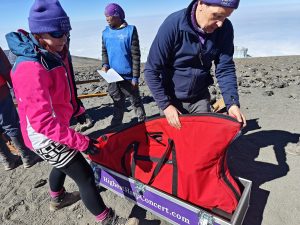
[
  {"x": 217, "y": 115},
  {"x": 65, "y": 67},
  {"x": 63, "y": 64},
  {"x": 68, "y": 82},
  {"x": 227, "y": 182}
]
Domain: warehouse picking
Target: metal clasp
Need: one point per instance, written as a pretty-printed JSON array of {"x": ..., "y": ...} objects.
[
  {"x": 140, "y": 188},
  {"x": 205, "y": 218}
]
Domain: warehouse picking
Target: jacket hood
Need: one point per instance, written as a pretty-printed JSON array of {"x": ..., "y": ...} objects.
[{"x": 22, "y": 43}]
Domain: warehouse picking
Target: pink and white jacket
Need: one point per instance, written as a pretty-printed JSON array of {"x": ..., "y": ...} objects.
[{"x": 44, "y": 95}]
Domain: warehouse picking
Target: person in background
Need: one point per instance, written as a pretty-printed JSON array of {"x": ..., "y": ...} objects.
[
  {"x": 180, "y": 59},
  {"x": 121, "y": 51},
  {"x": 44, "y": 95},
  {"x": 9, "y": 123}
]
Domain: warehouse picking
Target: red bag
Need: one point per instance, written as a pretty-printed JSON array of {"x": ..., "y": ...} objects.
[{"x": 188, "y": 163}]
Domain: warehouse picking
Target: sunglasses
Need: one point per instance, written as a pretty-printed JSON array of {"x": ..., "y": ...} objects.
[{"x": 59, "y": 34}]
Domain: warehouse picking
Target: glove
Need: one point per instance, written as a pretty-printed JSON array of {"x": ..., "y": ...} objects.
[
  {"x": 92, "y": 149},
  {"x": 81, "y": 118}
]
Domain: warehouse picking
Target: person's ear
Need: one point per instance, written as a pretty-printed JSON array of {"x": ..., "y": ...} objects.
[
  {"x": 39, "y": 39},
  {"x": 42, "y": 42},
  {"x": 200, "y": 5}
]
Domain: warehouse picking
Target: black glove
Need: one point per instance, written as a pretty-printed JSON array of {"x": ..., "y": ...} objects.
[
  {"x": 92, "y": 149},
  {"x": 81, "y": 118}
]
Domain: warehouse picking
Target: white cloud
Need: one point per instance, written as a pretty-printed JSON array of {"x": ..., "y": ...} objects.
[
  {"x": 265, "y": 30},
  {"x": 268, "y": 31},
  {"x": 86, "y": 36}
]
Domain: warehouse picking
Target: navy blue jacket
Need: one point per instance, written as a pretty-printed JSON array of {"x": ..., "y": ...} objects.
[{"x": 178, "y": 65}]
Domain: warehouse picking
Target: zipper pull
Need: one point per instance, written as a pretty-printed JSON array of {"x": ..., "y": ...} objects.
[{"x": 200, "y": 58}]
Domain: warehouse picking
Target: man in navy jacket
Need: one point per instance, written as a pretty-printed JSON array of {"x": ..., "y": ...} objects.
[{"x": 180, "y": 59}]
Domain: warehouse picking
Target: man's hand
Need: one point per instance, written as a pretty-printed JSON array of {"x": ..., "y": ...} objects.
[
  {"x": 134, "y": 84},
  {"x": 171, "y": 114},
  {"x": 235, "y": 112},
  {"x": 104, "y": 69},
  {"x": 92, "y": 149}
]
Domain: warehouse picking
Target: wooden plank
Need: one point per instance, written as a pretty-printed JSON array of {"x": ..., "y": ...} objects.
[
  {"x": 87, "y": 81},
  {"x": 92, "y": 95}
]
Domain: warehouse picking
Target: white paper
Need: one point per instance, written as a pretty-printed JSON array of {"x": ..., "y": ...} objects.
[{"x": 110, "y": 76}]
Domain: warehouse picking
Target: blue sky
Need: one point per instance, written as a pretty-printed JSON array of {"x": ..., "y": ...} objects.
[{"x": 265, "y": 27}]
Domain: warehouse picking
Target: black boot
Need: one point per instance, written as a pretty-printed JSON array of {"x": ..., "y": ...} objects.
[{"x": 64, "y": 200}]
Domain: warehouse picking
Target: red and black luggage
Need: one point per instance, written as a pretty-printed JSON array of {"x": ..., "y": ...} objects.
[{"x": 189, "y": 163}]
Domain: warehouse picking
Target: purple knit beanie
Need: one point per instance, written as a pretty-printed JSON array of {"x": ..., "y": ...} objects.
[
  {"x": 114, "y": 9},
  {"x": 224, "y": 3},
  {"x": 47, "y": 16}
]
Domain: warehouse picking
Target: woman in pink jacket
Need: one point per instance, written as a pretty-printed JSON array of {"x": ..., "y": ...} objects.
[{"x": 44, "y": 95}]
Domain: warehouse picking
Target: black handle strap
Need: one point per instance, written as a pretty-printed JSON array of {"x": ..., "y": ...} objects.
[
  {"x": 175, "y": 172},
  {"x": 156, "y": 136},
  {"x": 134, "y": 145},
  {"x": 162, "y": 161}
]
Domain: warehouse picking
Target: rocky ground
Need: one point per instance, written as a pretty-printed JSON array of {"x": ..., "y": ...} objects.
[
  {"x": 269, "y": 74},
  {"x": 270, "y": 97}
]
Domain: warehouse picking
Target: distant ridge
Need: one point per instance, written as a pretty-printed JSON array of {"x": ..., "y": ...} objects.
[
  {"x": 86, "y": 61},
  {"x": 12, "y": 58},
  {"x": 83, "y": 57},
  {"x": 240, "y": 52}
]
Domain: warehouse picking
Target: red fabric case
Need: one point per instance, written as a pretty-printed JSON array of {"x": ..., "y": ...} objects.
[{"x": 188, "y": 163}]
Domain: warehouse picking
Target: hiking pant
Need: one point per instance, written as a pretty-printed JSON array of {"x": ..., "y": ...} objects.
[
  {"x": 9, "y": 119},
  {"x": 202, "y": 105},
  {"x": 81, "y": 172},
  {"x": 9, "y": 125},
  {"x": 118, "y": 91}
]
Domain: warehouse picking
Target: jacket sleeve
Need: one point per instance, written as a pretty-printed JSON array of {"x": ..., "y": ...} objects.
[
  {"x": 160, "y": 57},
  {"x": 104, "y": 54},
  {"x": 225, "y": 67},
  {"x": 135, "y": 54},
  {"x": 35, "y": 97}
]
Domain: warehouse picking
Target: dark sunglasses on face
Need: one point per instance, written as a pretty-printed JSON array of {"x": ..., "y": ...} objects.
[{"x": 59, "y": 34}]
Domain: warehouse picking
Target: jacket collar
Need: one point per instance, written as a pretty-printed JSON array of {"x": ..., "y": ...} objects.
[{"x": 186, "y": 23}]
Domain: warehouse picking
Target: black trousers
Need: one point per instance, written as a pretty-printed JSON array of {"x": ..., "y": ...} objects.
[
  {"x": 118, "y": 92},
  {"x": 81, "y": 172}
]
